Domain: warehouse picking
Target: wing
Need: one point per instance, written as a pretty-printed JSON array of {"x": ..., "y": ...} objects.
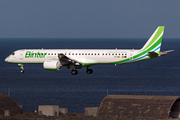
[{"x": 66, "y": 60}]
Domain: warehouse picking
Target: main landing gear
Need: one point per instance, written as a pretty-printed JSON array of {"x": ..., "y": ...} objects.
[
  {"x": 89, "y": 71},
  {"x": 75, "y": 72}
]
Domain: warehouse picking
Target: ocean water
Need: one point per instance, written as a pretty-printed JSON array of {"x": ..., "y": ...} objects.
[{"x": 159, "y": 76}]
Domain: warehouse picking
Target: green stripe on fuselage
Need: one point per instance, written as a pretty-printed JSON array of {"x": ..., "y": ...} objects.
[
  {"x": 140, "y": 54},
  {"x": 134, "y": 57},
  {"x": 55, "y": 69}
]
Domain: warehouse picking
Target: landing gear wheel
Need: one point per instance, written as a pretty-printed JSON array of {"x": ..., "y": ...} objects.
[
  {"x": 89, "y": 71},
  {"x": 74, "y": 72},
  {"x": 22, "y": 71},
  {"x": 22, "y": 68}
]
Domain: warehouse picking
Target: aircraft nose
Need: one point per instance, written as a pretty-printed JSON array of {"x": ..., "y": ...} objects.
[{"x": 6, "y": 60}]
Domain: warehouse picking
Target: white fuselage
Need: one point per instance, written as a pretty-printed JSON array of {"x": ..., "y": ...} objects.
[{"x": 93, "y": 56}]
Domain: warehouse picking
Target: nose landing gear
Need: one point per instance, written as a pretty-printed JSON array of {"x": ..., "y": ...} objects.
[
  {"x": 22, "y": 68},
  {"x": 22, "y": 71}
]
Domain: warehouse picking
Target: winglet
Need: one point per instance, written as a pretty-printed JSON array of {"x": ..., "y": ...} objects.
[{"x": 154, "y": 42}]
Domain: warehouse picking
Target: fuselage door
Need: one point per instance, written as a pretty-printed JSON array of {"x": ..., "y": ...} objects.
[
  {"x": 21, "y": 54},
  {"x": 131, "y": 53}
]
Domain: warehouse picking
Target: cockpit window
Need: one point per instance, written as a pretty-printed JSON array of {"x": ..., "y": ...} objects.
[{"x": 13, "y": 54}]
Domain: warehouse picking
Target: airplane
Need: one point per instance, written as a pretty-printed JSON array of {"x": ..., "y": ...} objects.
[{"x": 55, "y": 59}]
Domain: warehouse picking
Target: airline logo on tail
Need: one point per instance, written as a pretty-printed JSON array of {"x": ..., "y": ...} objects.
[
  {"x": 152, "y": 47},
  {"x": 154, "y": 42}
]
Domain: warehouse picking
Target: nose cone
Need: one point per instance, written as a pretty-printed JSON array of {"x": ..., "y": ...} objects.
[{"x": 6, "y": 60}]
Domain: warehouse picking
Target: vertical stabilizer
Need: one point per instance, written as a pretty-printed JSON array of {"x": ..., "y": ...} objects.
[{"x": 154, "y": 42}]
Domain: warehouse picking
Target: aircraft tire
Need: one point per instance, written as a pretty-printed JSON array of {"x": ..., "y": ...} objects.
[
  {"x": 89, "y": 71},
  {"x": 74, "y": 72},
  {"x": 22, "y": 71}
]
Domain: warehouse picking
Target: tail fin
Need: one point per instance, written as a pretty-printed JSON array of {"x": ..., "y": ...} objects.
[{"x": 154, "y": 42}]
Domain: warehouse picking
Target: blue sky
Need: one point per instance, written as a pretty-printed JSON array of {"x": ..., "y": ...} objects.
[{"x": 88, "y": 18}]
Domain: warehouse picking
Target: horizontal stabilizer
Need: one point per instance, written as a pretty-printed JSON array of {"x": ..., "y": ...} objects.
[
  {"x": 165, "y": 52},
  {"x": 169, "y": 51}
]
